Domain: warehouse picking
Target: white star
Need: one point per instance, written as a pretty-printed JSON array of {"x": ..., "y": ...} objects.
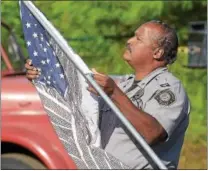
[
  {"x": 28, "y": 43},
  {"x": 35, "y": 25},
  {"x": 28, "y": 25},
  {"x": 30, "y": 14},
  {"x": 54, "y": 82},
  {"x": 43, "y": 62},
  {"x": 41, "y": 45},
  {"x": 48, "y": 82},
  {"x": 41, "y": 38},
  {"x": 45, "y": 49},
  {"x": 57, "y": 65},
  {"x": 49, "y": 77},
  {"x": 35, "y": 53},
  {"x": 35, "y": 35},
  {"x": 48, "y": 60},
  {"x": 47, "y": 44},
  {"x": 61, "y": 75},
  {"x": 44, "y": 78}
]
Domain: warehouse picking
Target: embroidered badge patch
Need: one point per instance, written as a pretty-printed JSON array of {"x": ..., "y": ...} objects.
[{"x": 165, "y": 97}]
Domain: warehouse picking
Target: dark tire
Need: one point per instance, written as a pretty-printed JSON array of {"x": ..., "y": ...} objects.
[{"x": 11, "y": 161}]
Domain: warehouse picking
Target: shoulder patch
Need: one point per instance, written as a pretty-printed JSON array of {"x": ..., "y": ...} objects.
[{"x": 165, "y": 97}]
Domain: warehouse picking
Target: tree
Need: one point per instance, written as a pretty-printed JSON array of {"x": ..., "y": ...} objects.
[{"x": 98, "y": 30}]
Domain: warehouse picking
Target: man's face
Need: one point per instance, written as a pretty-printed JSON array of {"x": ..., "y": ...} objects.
[{"x": 139, "y": 52}]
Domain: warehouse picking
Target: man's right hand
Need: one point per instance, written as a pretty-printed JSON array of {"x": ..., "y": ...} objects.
[{"x": 31, "y": 71}]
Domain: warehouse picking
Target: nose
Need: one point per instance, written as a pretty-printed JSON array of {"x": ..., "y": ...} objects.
[{"x": 130, "y": 40}]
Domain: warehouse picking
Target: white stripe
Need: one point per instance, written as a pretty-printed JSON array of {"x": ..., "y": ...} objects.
[
  {"x": 107, "y": 163},
  {"x": 60, "y": 126},
  {"x": 122, "y": 165},
  {"x": 53, "y": 99},
  {"x": 109, "y": 159},
  {"x": 42, "y": 83},
  {"x": 66, "y": 91},
  {"x": 66, "y": 140},
  {"x": 93, "y": 159},
  {"x": 76, "y": 142},
  {"x": 55, "y": 113},
  {"x": 106, "y": 155},
  {"x": 74, "y": 156}
]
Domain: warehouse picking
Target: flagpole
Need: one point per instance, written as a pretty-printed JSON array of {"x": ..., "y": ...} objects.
[{"x": 84, "y": 70}]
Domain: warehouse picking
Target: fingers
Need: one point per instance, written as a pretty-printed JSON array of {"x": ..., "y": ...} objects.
[
  {"x": 101, "y": 82},
  {"x": 105, "y": 82},
  {"x": 98, "y": 76},
  {"x": 28, "y": 64},
  {"x": 31, "y": 72},
  {"x": 31, "y": 77},
  {"x": 107, "y": 90},
  {"x": 29, "y": 61},
  {"x": 94, "y": 70},
  {"x": 34, "y": 71},
  {"x": 97, "y": 73},
  {"x": 92, "y": 90},
  {"x": 101, "y": 79}
]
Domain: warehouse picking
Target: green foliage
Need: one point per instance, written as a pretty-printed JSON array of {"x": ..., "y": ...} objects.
[
  {"x": 98, "y": 30},
  {"x": 194, "y": 81}
]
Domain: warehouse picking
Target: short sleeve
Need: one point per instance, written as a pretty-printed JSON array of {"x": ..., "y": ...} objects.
[{"x": 169, "y": 107}]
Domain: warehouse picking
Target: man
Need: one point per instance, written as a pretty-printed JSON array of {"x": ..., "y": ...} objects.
[{"x": 152, "y": 99}]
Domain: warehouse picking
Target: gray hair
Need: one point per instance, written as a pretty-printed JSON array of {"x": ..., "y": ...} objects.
[{"x": 168, "y": 41}]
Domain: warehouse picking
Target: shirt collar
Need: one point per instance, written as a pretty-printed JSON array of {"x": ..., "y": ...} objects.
[
  {"x": 144, "y": 81},
  {"x": 151, "y": 76}
]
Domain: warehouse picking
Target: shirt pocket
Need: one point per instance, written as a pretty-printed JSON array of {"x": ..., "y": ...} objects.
[{"x": 137, "y": 101}]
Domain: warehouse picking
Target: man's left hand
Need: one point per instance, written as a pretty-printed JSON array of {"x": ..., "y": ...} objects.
[{"x": 106, "y": 83}]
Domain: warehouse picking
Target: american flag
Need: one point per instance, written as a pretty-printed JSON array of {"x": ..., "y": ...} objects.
[
  {"x": 42, "y": 53},
  {"x": 63, "y": 94}
]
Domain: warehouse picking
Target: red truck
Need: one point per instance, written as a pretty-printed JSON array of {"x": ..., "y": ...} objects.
[{"x": 28, "y": 140}]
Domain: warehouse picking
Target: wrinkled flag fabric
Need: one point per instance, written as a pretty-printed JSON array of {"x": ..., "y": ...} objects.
[{"x": 72, "y": 110}]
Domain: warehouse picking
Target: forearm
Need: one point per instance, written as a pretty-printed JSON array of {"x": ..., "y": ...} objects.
[{"x": 144, "y": 123}]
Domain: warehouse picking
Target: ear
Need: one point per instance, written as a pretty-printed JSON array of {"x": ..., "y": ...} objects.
[{"x": 158, "y": 53}]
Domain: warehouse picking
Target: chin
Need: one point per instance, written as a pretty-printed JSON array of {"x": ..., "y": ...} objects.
[{"x": 126, "y": 58}]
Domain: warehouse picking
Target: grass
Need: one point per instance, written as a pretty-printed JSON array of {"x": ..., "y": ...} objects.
[{"x": 194, "y": 155}]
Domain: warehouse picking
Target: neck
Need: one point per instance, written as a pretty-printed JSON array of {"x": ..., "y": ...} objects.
[{"x": 141, "y": 73}]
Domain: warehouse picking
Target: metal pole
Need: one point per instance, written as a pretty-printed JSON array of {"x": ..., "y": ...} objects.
[{"x": 61, "y": 42}]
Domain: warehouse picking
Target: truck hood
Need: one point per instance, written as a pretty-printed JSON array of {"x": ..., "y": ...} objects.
[{"x": 19, "y": 96}]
